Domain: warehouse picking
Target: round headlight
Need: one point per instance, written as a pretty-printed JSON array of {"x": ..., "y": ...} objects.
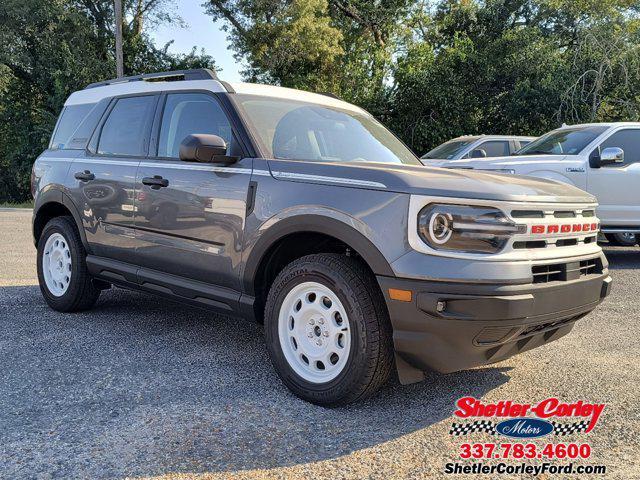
[
  {"x": 441, "y": 228},
  {"x": 465, "y": 228}
]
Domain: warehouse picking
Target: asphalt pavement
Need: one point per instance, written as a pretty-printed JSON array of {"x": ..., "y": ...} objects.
[{"x": 144, "y": 387}]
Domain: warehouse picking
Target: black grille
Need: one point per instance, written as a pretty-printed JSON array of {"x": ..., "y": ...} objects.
[
  {"x": 555, "y": 213},
  {"x": 589, "y": 267},
  {"x": 564, "y": 214},
  {"x": 546, "y": 326},
  {"x": 562, "y": 272},
  {"x": 568, "y": 242},
  {"x": 547, "y": 273},
  {"x": 527, "y": 214},
  {"x": 530, "y": 244}
]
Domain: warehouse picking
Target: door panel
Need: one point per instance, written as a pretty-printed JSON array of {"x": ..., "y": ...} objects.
[
  {"x": 190, "y": 215},
  {"x": 193, "y": 227},
  {"x": 105, "y": 200},
  {"x": 617, "y": 187},
  {"x": 103, "y": 184}
]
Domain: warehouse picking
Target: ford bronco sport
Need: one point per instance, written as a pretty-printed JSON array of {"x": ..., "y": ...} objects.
[{"x": 303, "y": 212}]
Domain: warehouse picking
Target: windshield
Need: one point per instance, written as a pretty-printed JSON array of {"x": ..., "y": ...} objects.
[
  {"x": 449, "y": 149},
  {"x": 566, "y": 141},
  {"x": 296, "y": 130}
]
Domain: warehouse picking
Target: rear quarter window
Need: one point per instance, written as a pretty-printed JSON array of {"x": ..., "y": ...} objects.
[{"x": 70, "y": 119}]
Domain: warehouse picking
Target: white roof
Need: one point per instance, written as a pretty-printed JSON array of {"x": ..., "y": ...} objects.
[
  {"x": 95, "y": 94},
  {"x": 292, "y": 94}
]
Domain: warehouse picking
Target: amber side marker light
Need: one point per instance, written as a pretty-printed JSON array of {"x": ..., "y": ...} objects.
[{"x": 400, "y": 295}]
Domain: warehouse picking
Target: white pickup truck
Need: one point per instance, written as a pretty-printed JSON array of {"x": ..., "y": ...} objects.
[{"x": 601, "y": 158}]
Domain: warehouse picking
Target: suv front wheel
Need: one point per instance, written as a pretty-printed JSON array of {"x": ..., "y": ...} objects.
[
  {"x": 62, "y": 270},
  {"x": 327, "y": 330}
]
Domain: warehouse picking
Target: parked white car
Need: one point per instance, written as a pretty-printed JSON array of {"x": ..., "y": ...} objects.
[
  {"x": 476, "y": 146},
  {"x": 601, "y": 158}
]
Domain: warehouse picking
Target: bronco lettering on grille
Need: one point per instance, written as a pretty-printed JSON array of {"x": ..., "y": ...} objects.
[{"x": 564, "y": 228}]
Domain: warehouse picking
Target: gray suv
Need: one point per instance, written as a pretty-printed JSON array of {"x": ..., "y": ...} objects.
[{"x": 303, "y": 212}]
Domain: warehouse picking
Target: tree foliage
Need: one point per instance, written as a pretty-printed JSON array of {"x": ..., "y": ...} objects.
[
  {"x": 50, "y": 48},
  {"x": 435, "y": 69},
  {"x": 430, "y": 69}
]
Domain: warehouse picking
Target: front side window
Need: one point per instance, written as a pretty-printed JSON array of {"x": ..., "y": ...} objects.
[
  {"x": 449, "y": 150},
  {"x": 291, "y": 129},
  {"x": 628, "y": 141},
  {"x": 566, "y": 141},
  {"x": 190, "y": 113},
  {"x": 125, "y": 130}
]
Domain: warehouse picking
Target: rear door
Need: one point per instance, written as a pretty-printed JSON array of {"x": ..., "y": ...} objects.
[
  {"x": 617, "y": 186},
  {"x": 488, "y": 148},
  {"x": 192, "y": 227},
  {"x": 104, "y": 176},
  {"x": 495, "y": 148}
]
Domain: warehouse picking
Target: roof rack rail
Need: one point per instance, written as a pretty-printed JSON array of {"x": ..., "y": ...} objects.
[{"x": 172, "y": 76}]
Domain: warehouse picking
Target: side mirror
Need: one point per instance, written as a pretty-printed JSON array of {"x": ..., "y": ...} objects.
[
  {"x": 478, "y": 153},
  {"x": 611, "y": 155},
  {"x": 200, "y": 147}
]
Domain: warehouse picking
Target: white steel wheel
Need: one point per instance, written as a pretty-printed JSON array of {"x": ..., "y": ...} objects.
[
  {"x": 314, "y": 332},
  {"x": 56, "y": 264}
]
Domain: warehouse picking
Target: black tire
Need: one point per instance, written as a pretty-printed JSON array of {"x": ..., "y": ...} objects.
[
  {"x": 370, "y": 358},
  {"x": 621, "y": 239},
  {"x": 81, "y": 294}
]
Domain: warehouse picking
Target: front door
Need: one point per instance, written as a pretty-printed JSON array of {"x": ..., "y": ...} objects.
[
  {"x": 617, "y": 186},
  {"x": 104, "y": 176},
  {"x": 190, "y": 215}
]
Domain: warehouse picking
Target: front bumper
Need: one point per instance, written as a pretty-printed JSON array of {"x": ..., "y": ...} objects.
[{"x": 454, "y": 326}]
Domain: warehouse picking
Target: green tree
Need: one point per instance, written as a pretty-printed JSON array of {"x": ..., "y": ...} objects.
[
  {"x": 50, "y": 48},
  {"x": 288, "y": 43}
]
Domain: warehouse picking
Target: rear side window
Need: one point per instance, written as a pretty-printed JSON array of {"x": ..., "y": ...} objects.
[
  {"x": 125, "y": 130},
  {"x": 495, "y": 148},
  {"x": 70, "y": 119}
]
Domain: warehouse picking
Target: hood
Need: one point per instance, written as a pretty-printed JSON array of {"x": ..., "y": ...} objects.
[
  {"x": 442, "y": 182},
  {"x": 504, "y": 162},
  {"x": 434, "y": 162}
]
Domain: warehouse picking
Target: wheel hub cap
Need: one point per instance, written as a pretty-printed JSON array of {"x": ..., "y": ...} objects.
[
  {"x": 56, "y": 264},
  {"x": 314, "y": 332}
]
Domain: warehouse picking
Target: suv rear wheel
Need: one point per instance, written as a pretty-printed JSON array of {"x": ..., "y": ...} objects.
[
  {"x": 62, "y": 270},
  {"x": 327, "y": 330}
]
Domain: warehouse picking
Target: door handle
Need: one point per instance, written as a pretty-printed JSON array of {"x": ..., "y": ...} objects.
[
  {"x": 85, "y": 176},
  {"x": 155, "y": 182}
]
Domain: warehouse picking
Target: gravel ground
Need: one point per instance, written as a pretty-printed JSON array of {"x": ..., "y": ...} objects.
[{"x": 142, "y": 387}]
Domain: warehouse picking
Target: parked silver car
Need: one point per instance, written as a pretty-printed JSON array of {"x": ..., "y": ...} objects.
[{"x": 477, "y": 146}]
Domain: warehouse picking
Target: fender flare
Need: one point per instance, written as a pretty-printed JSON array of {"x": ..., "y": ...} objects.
[
  {"x": 311, "y": 223},
  {"x": 59, "y": 197}
]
